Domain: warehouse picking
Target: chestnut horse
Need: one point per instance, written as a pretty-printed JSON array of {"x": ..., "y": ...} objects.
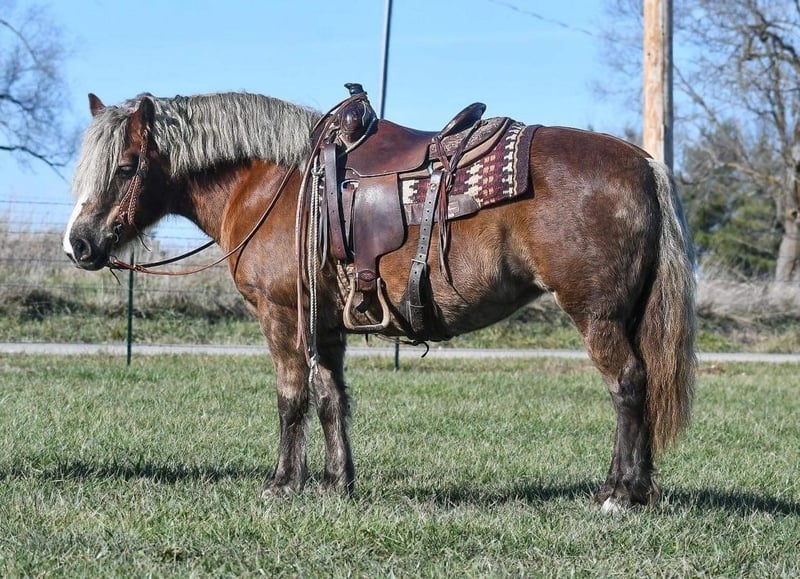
[{"x": 602, "y": 231}]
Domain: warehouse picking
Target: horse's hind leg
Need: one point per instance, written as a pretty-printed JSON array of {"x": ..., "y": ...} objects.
[
  {"x": 333, "y": 408},
  {"x": 630, "y": 476}
]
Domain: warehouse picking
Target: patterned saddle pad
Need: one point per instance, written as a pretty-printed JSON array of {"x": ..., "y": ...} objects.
[{"x": 499, "y": 175}]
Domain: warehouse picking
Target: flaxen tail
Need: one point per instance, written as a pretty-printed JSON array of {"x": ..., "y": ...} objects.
[{"x": 667, "y": 331}]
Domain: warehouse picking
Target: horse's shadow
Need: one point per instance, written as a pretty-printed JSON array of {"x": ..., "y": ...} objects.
[
  {"x": 163, "y": 473},
  {"x": 486, "y": 496},
  {"x": 737, "y": 502},
  {"x": 482, "y": 495},
  {"x": 707, "y": 499}
]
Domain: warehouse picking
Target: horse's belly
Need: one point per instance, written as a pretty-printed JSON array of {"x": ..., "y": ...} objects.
[{"x": 461, "y": 316}]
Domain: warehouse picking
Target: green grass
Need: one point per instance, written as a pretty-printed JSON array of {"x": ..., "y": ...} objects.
[
  {"x": 465, "y": 468},
  {"x": 158, "y": 327}
]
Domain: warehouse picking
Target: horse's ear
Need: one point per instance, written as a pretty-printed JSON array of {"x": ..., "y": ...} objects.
[
  {"x": 95, "y": 104},
  {"x": 142, "y": 118},
  {"x": 147, "y": 110}
]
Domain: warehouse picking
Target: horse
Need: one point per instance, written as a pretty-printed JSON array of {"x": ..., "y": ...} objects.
[{"x": 601, "y": 229}]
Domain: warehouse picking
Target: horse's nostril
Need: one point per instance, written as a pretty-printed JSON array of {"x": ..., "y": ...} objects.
[{"x": 82, "y": 249}]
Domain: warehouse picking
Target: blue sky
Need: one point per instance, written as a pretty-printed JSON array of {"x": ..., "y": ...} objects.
[{"x": 515, "y": 56}]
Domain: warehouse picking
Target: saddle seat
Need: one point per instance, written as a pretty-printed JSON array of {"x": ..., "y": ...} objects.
[{"x": 395, "y": 149}]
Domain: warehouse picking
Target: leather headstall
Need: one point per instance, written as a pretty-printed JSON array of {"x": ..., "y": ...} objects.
[{"x": 126, "y": 215}]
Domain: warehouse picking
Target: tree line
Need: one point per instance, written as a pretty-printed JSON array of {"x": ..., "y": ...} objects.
[{"x": 737, "y": 126}]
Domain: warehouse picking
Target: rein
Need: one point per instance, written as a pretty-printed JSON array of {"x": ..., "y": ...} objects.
[{"x": 147, "y": 267}]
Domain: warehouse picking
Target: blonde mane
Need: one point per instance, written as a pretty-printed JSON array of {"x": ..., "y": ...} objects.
[{"x": 199, "y": 132}]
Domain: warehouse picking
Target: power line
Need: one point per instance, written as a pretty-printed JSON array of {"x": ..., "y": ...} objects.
[{"x": 538, "y": 16}]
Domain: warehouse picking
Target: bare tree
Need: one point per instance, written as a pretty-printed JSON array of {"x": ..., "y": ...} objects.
[
  {"x": 32, "y": 88},
  {"x": 737, "y": 64}
]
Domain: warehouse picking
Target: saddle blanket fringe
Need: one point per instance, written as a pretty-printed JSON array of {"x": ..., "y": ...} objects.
[{"x": 501, "y": 174}]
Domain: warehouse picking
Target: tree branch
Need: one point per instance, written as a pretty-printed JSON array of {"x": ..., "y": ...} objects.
[
  {"x": 23, "y": 40},
  {"x": 54, "y": 165},
  {"x": 32, "y": 91},
  {"x": 17, "y": 102}
]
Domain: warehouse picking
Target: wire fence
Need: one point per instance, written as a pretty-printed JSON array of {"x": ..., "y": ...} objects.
[
  {"x": 38, "y": 283},
  {"x": 37, "y": 279}
]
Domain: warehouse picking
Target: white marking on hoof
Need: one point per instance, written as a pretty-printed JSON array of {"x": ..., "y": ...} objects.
[{"x": 610, "y": 507}]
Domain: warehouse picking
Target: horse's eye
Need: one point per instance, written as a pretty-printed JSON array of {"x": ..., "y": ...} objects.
[{"x": 126, "y": 171}]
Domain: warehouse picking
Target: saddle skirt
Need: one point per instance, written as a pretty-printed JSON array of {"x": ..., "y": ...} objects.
[{"x": 499, "y": 174}]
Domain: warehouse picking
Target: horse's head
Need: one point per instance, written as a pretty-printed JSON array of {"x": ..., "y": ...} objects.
[{"x": 117, "y": 169}]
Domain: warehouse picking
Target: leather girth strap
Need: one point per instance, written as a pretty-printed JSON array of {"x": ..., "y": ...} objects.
[
  {"x": 421, "y": 308},
  {"x": 419, "y": 300}
]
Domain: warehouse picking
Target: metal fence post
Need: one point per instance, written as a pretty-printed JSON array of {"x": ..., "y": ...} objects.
[{"x": 130, "y": 312}]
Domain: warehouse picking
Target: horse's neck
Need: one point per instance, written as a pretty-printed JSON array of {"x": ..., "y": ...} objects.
[
  {"x": 207, "y": 195},
  {"x": 221, "y": 201}
]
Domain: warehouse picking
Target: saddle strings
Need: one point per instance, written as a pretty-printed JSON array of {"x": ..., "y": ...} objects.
[
  {"x": 313, "y": 266},
  {"x": 324, "y": 130}
]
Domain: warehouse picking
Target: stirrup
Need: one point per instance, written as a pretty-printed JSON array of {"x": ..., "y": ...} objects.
[{"x": 348, "y": 307}]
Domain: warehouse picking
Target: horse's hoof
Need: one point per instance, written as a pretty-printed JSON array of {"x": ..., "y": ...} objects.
[
  {"x": 278, "y": 491},
  {"x": 610, "y": 500},
  {"x": 611, "y": 506},
  {"x": 622, "y": 502}
]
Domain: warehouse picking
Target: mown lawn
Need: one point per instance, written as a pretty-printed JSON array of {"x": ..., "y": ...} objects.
[{"x": 465, "y": 468}]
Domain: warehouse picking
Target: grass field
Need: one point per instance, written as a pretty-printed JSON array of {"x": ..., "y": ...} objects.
[
  {"x": 536, "y": 326},
  {"x": 465, "y": 468}
]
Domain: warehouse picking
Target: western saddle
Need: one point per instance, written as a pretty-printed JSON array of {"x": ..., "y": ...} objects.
[{"x": 362, "y": 160}]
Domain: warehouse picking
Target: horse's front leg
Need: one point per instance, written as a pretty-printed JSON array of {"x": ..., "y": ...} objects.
[
  {"x": 333, "y": 408},
  {"x": 293, "y": 399}
]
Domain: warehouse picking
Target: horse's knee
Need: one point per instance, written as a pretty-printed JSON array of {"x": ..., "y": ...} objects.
[
  {"x": 331, "y": 396},
  {"x": 292, "y": 406},
  {"x": 332, "y": 407}
]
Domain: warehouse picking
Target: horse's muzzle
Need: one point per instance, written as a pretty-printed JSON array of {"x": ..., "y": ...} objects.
[{"x": 86, "y": 254}]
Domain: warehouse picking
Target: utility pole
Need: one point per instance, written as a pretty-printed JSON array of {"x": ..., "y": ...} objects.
[
  {"x": 658, "y": 118},
  {"x": 387, "y": 28}
]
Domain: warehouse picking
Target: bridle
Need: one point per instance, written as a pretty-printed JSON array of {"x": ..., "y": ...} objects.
[
  {"x": 127, "y": 206},
  {"x": 126, "y": 215}
]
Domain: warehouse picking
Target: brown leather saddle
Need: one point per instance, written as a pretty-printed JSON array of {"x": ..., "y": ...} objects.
[{"x": 363, "y": 160}]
